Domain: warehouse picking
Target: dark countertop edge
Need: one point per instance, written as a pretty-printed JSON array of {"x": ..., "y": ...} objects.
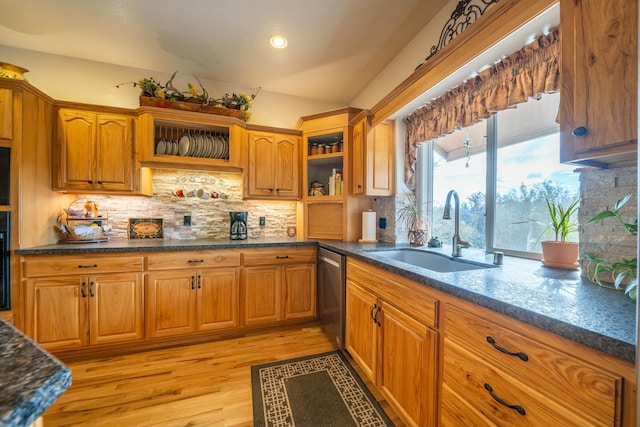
[
  {"x": 41, "y": 398},
  {"x": 607, "y": 344},
  {"x": 29, "y": 410},
  {"x": 592, "y": 339},
  {"x": 124, "y": 246}
]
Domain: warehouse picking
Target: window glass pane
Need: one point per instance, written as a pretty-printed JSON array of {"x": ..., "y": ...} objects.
[
  {"x": 528, "y": 173},
  {"x": 468, "y": 177}
]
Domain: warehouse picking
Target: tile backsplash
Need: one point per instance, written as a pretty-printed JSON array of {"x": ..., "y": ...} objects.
[{"x": 209, "y": 218}]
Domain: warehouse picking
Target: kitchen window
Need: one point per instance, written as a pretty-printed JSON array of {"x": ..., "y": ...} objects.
[{"x": 503, "y": 168}]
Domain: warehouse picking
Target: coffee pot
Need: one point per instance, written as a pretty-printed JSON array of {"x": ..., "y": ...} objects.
[{"x": 238, "y": 225}]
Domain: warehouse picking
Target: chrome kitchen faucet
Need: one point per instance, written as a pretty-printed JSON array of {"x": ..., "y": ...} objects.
[{"x": 457, "y": 242}]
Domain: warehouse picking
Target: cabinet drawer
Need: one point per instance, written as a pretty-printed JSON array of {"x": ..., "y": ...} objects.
[
  {"x": 203, "y": 259},
  {"x": 390, "y": 288},
  {"x": 586, "y": 388},
  {"x": 285, "y": 255},
  {"x": 479, "y": 384},
  {"x": 95, "y": 263}
]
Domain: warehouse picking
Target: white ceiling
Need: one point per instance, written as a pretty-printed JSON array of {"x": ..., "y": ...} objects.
[{"x": 336, "y": 47}]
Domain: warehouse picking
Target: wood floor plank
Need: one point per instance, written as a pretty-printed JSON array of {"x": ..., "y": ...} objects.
[{"x": 196, "y": 385}]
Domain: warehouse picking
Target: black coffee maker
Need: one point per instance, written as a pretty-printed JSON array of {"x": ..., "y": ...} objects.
[{"x": 238, "y": 225}]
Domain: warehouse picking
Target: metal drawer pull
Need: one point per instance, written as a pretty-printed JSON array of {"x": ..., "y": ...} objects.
[
  {"x": 282, "y": 256},
  {"x": 193, "y": 282},
  {"x": 88, "y": 266},
  {"x": 91, "y": 289},
  {"x": 521, "y": 355},
  {"x": 84, "y": 294},
  {"x": 517, "y": 408},
  {"x": 372, "y": 310},
  {"x": 199, "y": 281},
  {"x": 194, "y": 261},
  {"x": 375, "y": 317}
]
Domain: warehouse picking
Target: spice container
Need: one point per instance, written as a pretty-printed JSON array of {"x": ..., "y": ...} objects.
[
  {"x": 321, "y": 149},
  {"x": 335, "y": 148}
]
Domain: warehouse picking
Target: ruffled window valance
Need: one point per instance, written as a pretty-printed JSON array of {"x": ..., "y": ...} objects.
[{"x": 530, "y": 72}]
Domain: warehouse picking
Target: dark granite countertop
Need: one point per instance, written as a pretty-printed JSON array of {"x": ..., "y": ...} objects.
[
  {"x": 559, "y": 301},
  {"x": 154, "y": 245},
  {"x": 30, "y": 378}
]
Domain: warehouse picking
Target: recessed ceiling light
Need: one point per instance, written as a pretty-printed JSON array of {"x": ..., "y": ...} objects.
[{"x": 278, "y": 41}]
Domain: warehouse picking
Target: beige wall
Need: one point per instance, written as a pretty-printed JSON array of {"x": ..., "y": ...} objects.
[{"x": 70, "y": 79}]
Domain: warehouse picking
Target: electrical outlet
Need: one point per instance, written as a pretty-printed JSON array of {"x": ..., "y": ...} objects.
[
  {"x": 382, "y": 223},
  {"x": 263, "y": 221},
  {"x": 187, "y": 220}
]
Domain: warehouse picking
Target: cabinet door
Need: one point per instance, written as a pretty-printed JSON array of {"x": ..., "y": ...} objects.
[
  {"x": 361, "y": 333},
  {"x": 300, "y": 291},
  {"x": 56, "y": 312},
  {"x": 261, "y": 165},
  {"x": 359, "y": 133},
  {"x": 115, "y": 307},
  {"x": 171, "y": 300},
  {"x": 287, "y": 166},
  {"x": 407, "y": 374},
  {"x": 75, "y": 157},
  {"x": 380, "y": 160},
  {"x": 6, "y": 114},
  {"x": 218, "y": 298},
  {"x": 599, "y": 78},
  {"x": 262, "y": 295},
  {"x": 114, "y": 153}
]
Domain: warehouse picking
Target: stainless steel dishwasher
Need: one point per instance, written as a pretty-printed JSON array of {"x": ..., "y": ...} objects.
[{"x": 331, "y": 294}]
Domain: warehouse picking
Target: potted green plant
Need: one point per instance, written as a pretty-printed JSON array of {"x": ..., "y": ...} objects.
[
  {"x": 623, "y": 273},
  {"x": 415, "y": 219},
  {"x": 560, "y": 252}
]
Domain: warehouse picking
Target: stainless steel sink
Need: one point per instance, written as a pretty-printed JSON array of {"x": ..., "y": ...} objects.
[{"x": 430, "y": 260}]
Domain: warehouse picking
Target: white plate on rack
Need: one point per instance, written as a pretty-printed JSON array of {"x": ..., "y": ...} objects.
[
  {"x": 184, "y": 145},
  {"x": 161, "y": 146}
]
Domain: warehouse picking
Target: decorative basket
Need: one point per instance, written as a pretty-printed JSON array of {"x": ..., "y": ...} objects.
[{"x": 147, "y": 101}]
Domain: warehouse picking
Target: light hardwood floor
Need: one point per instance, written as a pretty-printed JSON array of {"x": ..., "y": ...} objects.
[{"x": 196, "y": 385}]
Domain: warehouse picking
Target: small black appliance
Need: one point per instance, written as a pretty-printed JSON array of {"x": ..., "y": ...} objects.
[{"x": 238, "y": 225}]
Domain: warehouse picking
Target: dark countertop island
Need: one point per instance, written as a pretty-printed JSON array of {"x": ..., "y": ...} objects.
[
  {"x": 30, "y": 378},
  {"x": 559, "y": 301}
]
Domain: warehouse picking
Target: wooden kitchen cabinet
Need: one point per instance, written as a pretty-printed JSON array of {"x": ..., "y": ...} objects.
[
  {"x": 390, "y": 334},
  {"x": 336, "y": 213},
  {"x": 373, "y": 157},
  {"x": 218, "y": 145},
  {"x": 273, "y": 166},
  {"x": 192, "y": 292},
  {"x": 598, "y": 95},
  {"x": 93, "y": 151},
  {"x": 279, "y": 284},
  {"x": 358, "y": 139},
  {"x": 498, "y": 376},
  {"x": 72, "y": 302}
]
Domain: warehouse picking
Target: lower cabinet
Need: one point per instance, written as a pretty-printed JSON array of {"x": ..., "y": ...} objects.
[
  {"x": 395, "y": 347},
  {"x": 497, "y": 376},
  {"x": 76, "y": 310},
  {"x": 279, "y": 284},
  {"x": 187, "y": 299}
]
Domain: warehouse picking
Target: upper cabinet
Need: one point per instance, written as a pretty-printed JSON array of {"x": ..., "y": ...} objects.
[
  {"x": 273, "y": 166},
  {"x": 598, "y": 106},
  {"x": 373, "y": 157},
  {"x": 330, "y": 210},
  {"x": 186, "y": 140},
  {"x": 93, "y": 151}
]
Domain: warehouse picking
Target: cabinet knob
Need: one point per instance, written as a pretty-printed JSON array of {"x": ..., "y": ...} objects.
[
  {"x": 579, "y": 131},
  {"x": 100, "y": 182},
  {"x": 359, "y": 186},
  {"x": 90, "y": 182}
]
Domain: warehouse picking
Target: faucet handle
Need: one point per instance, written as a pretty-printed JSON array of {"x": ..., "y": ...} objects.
[{"x": 464, "y": 243}]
